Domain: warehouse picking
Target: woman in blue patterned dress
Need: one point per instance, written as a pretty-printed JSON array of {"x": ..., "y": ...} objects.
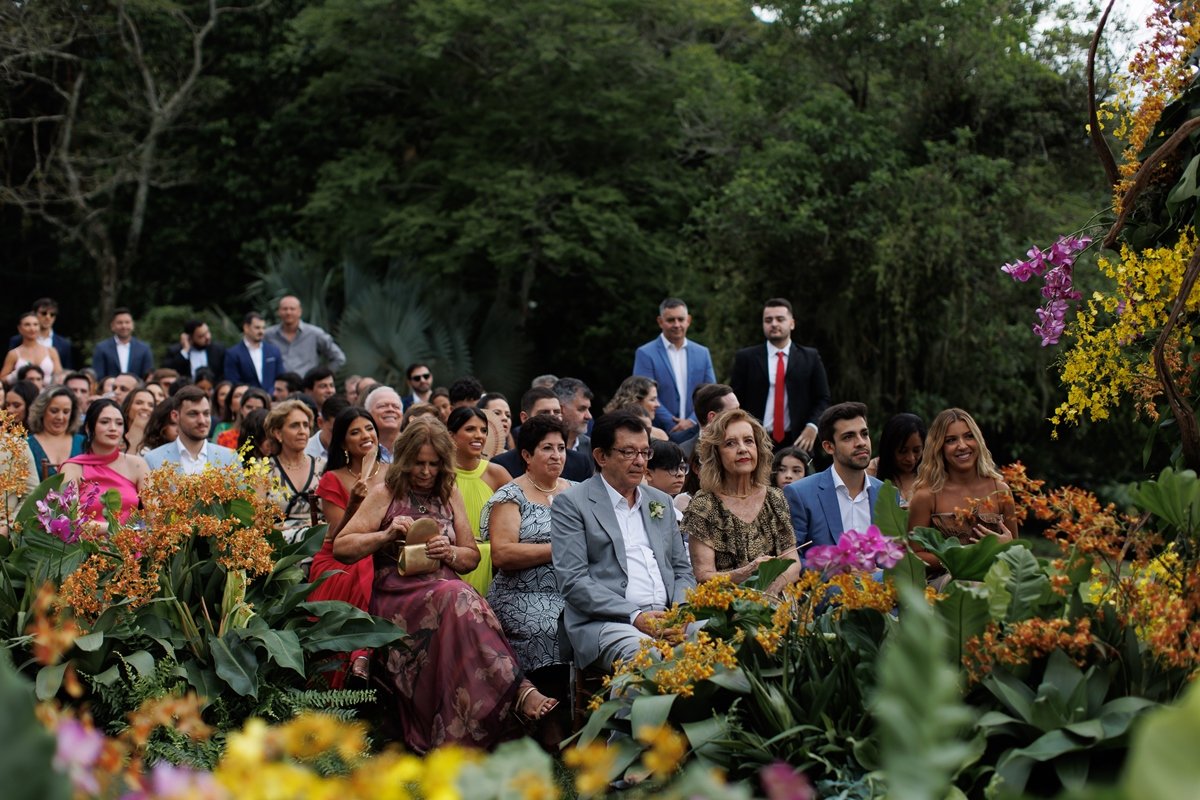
[{"x": 524, "y": 594}]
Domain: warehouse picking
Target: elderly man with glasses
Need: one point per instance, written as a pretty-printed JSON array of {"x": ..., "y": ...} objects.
[{"x": 618, "y": 556}]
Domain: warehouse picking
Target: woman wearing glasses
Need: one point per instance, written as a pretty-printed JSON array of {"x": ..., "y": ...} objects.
[{"x": 738, "y": 520}]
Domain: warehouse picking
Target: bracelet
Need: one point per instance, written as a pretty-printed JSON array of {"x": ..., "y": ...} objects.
[{"x": 453, "y": 554}]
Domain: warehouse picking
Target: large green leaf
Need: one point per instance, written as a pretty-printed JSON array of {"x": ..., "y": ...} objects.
[
  {"x": 1174, "y": 497},
  {"x": 236, "y": 664},
  {"x": 341, "y": 627},
  {"x": 283, "y": 646},
  {"x": 650, "y": 711},
  {"x": 28, "y": 747},
  {"x": 964, "y": 562},
  {"x": 27, "y": 513},
  {"x": 767, "y": 572},
  {"x": 1162, "y": 755},
  {"x": 964, "y": 609},
  {"x": 891, "y": 519}
]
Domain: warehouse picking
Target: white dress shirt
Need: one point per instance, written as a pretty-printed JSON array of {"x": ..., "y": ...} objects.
[
  {"x": 197, "y": 359},
  {"x": 256, "y": 357},
  {"x": 123, "y": 353},
  {"x": 190, "y": 465},
  {"x": 645, "y": 588},
  {"x": 856, "y": 511},
  {"x": 678, "y": 358}
]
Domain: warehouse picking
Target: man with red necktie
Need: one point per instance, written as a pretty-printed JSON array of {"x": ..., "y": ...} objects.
[{"x": 781, "y": 383}]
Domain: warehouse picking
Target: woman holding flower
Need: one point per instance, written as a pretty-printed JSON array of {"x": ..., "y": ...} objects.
[
  {"x": 456, "y": 678},
  {"x": 738, "y": 520},
  {"x": 958, "y": 490},
  {"x": 103, "y": 464}
]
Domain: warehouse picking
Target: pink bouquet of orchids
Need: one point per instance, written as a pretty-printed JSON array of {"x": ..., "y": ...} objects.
[
  {"x": 864, "y": 551},
  {"x": 62, "y": 514}
]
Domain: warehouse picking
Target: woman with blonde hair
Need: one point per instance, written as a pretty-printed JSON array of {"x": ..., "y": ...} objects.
[
  {"x": 455, "y": 678},
  {"x": 958, "y": 489},
  {"x": 53, "y": 419},
  {"x": 737, "y": 519},
  {"x": 640, "y": 395},
  {"x": 295, "y": 473}
]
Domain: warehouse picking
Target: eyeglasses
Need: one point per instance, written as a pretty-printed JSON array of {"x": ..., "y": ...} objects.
[
  {"x": 424, "y": 377},
  {"x": 629, "y": 453},
  {"x": 45, "y": 312},
  {"x": 682, "y": 469}
]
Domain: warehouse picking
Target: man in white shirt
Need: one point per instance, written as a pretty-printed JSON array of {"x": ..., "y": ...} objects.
[
  {"x": 678, "y": 366},
  {"x": 842, "y": 498},
  {"x": 191, "y": 451},
  {"x": 124, "y": 352},
  {"x": 618, "y": 555},
  {"x": 254, "y": 361}
]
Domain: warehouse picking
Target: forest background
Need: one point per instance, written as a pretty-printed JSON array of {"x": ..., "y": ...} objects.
[{"x": 510, "y": 188}]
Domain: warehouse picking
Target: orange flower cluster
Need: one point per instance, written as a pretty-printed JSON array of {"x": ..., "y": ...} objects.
[
  {"x": 14, "y": 464},
  {"x": 179, "y": 713},
  {"x": 176, "y": 508},
  {"x": 859, "y": 590},
  {"x": 719, "y": 593},
  {"x": 1023, "y": 642},
  {"x": 52, "y": 635},
  {"x": 693, "y": 661},
  {"x": 1161, "y": 601}
]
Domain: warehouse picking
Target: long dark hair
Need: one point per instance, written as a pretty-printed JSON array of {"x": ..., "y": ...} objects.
[
  {"x": 462, "y": 415},
  {"x": 154, "y": 435},
  {"x": 93, "y": 416},
  {"x": 895, "y": 433},
  {"x": 337, "y": 436}
]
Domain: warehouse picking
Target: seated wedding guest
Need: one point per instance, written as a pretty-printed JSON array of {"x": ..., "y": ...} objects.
[
  {"x": 958, "y": 490},
  {"x": 524, "y": 594},
  {"x": 160, "y": 428},
  {"x": 233, "y": 405},
  {"x": 205, "y": 378},
  {"x": 220, "y": 399},
  {"x": 159, "y": 393},
  {"x": 31, "y": 352},
  {"x": 162, "y": 377},
  {"x": 737, "y": 520},
  {"x": 787, "y": 466},
  {"x": 900, "y": 448},
  {"x": 500, "y": 423},
  {"x": 295, "y": 472},
  {"x": 440, "y": 399},
  {"x": 465, "y": 391},
  {"x": 34, "y": 374},
  {"x": 667, "y": 470},
  {"x": 387, "y": 410},
  {"x": 104, "y": 464},
  {"x": 81, "y": 384},
  {"x": 286, "y": 385},
  {"x": 106, "y": 386},
  {"x": 136, "y": 410},
  {"x": 52, "y": 422},
  {"x": 637, "y": 392},
  {"x": 191, "y": 452},
  {"x": 351, "y": 471},
  {"x": 318, "y": 443},
  {"x": 253, "y": 443},
  {"x": 455, "y": 678},
  {"x": 351, "y": 385},
  {"x": 477, "y": 480},
  {"x": 19, "y": 399},
  {"x": 251, "y": 400},
  {"x": 418, "y": 410}
]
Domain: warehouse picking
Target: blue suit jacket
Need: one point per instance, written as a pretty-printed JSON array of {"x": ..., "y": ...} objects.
[
  {"x": 240, "y": 369},
  {"x": 61, "y": 345},
  {"x": 816, "y": 517},
  {"x": 651, "y": 361},
  {"x": 106, "y": 363},
  {"x": 169, "y": 454}
]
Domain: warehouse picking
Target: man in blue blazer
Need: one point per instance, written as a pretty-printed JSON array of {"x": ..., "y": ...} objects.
[
  {"x": 124, "y": 352},
  {"x": 191, "y": 451},
  {"x": 254, "y": 361},
  {"x": 678, "y": 366},
  {"x": 842, "y": 497}
]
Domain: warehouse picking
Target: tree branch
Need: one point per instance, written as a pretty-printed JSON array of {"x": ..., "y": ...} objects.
[
  {"x": 1142, "y": 177},
  {"x": 1185, "y": 415},
  {"x": 1098, "y": 144}
]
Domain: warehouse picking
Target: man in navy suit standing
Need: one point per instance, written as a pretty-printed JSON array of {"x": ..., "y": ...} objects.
[
  {"x": 841, "y": 498},
  {"x": 254, "y": 361},
  {"x": 781, "y": 383},
  {"x": 678, "y": 366},
  {"x": 124, "y": 352}
]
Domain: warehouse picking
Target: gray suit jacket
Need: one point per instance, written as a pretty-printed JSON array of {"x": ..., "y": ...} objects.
[
  {"x": 589, "y": 560},
  {"x": 169, "y": 454}
]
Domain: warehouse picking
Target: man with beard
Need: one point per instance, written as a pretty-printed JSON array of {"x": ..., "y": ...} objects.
[
  {"x": 842, "y": 498},
  {"x": 191, "y": 452},
  {"x": 196, "y": 350}
]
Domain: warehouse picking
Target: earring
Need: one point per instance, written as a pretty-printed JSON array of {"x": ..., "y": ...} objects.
[{"x": 346, "y": 453}]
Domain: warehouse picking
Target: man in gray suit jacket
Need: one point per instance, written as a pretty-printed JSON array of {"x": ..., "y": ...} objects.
[
  {"x": 617, "y": 552},
  {"x": 191, "y": 452}
]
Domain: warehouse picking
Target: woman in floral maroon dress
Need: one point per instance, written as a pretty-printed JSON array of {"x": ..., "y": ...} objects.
[{"x": 456, "y": 680}]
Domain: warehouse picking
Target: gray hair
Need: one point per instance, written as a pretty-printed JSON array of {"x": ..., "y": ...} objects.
[
  {"x": 565, "y": 389},
  {"x": 546, "y": 381},
  {"x": 670, "y": 302}
]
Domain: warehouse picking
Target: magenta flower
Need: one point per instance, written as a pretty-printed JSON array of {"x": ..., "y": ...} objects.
[
  {"x": 78, "y": 749},
  {"x": 1055, "y": 266},
  {"x": 864, "y": 551},
  {"x": 169, "y": 782},
  {"x": 782, "y": 782}
]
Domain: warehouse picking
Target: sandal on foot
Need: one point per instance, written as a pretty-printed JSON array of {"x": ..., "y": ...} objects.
[{"x": 531, "y": 720}]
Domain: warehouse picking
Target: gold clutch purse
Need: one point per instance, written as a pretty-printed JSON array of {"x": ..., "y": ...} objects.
[{"x": 413, "y": 559}]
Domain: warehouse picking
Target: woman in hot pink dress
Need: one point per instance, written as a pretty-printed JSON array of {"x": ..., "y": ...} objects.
[{"x": 102, "y": 463}]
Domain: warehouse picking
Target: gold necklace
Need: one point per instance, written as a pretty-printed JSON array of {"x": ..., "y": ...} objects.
[
  {"x": 374, "y": 469},
  {"x": 733, "y": 496},
  {"x": 293, "y": 465},
  {"x": 539, "y": 488}
]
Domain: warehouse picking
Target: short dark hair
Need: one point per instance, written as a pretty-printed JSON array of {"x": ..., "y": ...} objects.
[
  {"x": 314, "y": 375},
  {"x": 292, "y": 380},
  {"x": 708, "y": 398},
  {"x": 251, "y": 316},
  {"x": 118, "y": 311},
  {"x": 28, "y": 368},
  {"x": 837, "y": 413},
  {"x": 665, "y": 455},
  {"x": 334, "y": 405},
  {"x": 202, "y": 374},
  {"x": 307, "y": 400},
  {"x": 565, "y": 389},
  {"x": 670, "y": 302},
  {"x": 604, "y": 432},
  {"x": 486, "y": 399},
  {"x": 45, "y": 302},
  {"x": 779, "y": 302},
  {"x": 464, "y": 389},
  {"x": 535, "y": 429},
  {"x": 408, "y": 372},
  {"x": 462, "y": 415},
  {"x": 190, "y": 326},
  {"x": 188, "y": 394},
  {"x": 531, "y": 396},
  {"x": 74, "y": 376}
]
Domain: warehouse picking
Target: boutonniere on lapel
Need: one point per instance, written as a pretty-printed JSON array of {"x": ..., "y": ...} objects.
[{"x": 656, "y": 509}]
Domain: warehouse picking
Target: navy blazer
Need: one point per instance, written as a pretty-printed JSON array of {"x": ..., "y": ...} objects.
[
  {"x": 178, "y": 362},
  {"x": 816, "y": 516},
  {"x": 106, "y": 363},
  {"x": 239, "y": 368},
  {"x": 577, "y": 468},
  {"x": 651, "y": 361},
  {"x": 61, "y": 345}
]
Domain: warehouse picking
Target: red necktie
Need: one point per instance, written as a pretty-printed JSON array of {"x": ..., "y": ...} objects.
[{"x": 777, "y": 424}]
